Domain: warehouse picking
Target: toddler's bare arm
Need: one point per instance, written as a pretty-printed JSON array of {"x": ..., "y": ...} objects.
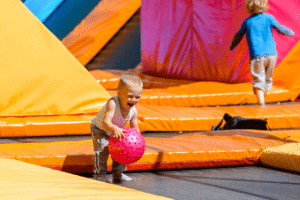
[
  {"x": 107, "y": 121},
  {"x": 134, "y": 122}
]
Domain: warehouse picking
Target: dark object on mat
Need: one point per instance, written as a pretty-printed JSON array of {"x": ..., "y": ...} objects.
[{"x": 241, "y": 123}]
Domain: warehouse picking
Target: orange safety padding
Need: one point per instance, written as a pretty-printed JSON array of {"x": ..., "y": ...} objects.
[
  {"x": 21, "y": 180},
  {"x": 285, "y": 157},
  {"x": 99, "y": 26},
  {"x": 287, "y": 74},
  {"x": 195, "y": 149},
  {"x": 193, "y": 164},
  {"x": 106, "y": 79},
  {"x": 166, "y": 118},
  {"x": 164, "y": 166},
  {"x": 199, "y": 93},
  {"x": 109, "y": 79},
  {"x": 45, "y": 126},
  {"x": 39, "y": 76},
  {"x": 209, "y": 94},
  {"x": 287, "y": 135},
  {"x": 150, "y": 81},
  {"x": 48, "y": 126}
]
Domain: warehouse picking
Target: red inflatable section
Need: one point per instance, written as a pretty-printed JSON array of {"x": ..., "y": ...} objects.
[{"x": 190, "y": 39}]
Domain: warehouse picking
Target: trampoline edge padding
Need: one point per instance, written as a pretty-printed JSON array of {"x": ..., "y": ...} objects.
[
  {"x": 178, "y": 152},
  {"x": 153, "y": 118},
  {"x": 166, "y": 118},
  {"x": 33, "y": 126}
]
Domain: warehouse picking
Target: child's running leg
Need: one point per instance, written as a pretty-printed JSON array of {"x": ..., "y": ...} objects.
[
  {"x": 260, "y": 94},
  {"x": 271, "y": 63},
  {"x": 257, "y": 68},
  {"x": 100, "y": 142}
]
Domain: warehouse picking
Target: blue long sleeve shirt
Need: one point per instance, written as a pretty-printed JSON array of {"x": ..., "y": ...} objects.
[{"x": 258, "y": 30}]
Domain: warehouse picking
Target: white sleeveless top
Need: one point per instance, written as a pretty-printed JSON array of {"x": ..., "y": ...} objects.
[{"x": 118, "y": 118}]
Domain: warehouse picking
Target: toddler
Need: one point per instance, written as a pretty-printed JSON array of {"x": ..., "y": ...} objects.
[
  {"x": 110, "y": 122},
  {"x": 262, "y": 49}
]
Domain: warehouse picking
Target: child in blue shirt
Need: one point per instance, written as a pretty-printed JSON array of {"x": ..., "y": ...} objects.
[{"x": 262, "y": 47}]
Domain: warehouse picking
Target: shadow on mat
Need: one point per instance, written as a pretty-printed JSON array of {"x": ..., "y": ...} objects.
[{"x": 78, "y": 163}]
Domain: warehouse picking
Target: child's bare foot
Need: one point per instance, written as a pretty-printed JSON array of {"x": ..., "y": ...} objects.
[{"x": 260, "y": 94}]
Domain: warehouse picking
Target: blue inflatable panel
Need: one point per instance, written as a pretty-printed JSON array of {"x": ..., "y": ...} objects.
[
  {"x": 42, "y": 9},
  {"x": 61, "y": 16}
]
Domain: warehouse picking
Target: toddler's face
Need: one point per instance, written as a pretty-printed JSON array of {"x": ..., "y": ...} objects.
[{"x": 130, "y": 96}]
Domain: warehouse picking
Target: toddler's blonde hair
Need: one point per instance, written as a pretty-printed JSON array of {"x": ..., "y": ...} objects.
[
  {"x": 256, "y": 6},
  {"x": 130, "y": 80}
]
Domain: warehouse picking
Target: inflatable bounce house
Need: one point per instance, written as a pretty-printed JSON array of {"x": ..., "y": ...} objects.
[{"x": 61, "y": 61}]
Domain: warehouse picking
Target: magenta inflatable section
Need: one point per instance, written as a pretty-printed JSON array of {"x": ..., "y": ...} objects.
[{"x": 190, "y": 39}]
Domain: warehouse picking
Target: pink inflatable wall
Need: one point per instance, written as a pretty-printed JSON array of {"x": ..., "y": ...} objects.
[{"x": 190, "y": 39}]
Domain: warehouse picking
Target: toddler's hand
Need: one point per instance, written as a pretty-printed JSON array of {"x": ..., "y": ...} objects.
[{"x": 119, "y": 133}]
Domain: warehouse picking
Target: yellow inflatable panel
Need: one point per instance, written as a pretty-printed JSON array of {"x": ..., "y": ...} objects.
[
  {"x": 39, "y": 76},
  {"x": 21, "y": 180},
  {"x": 164, "y": 118},
  {"x": 284, "y": 157},
  {"x": 204, "y": 149},
  {"x": 100, "y": 25}
]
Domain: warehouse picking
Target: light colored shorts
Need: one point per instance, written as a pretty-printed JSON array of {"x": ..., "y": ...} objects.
[{"x": 262, "y": 71}]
